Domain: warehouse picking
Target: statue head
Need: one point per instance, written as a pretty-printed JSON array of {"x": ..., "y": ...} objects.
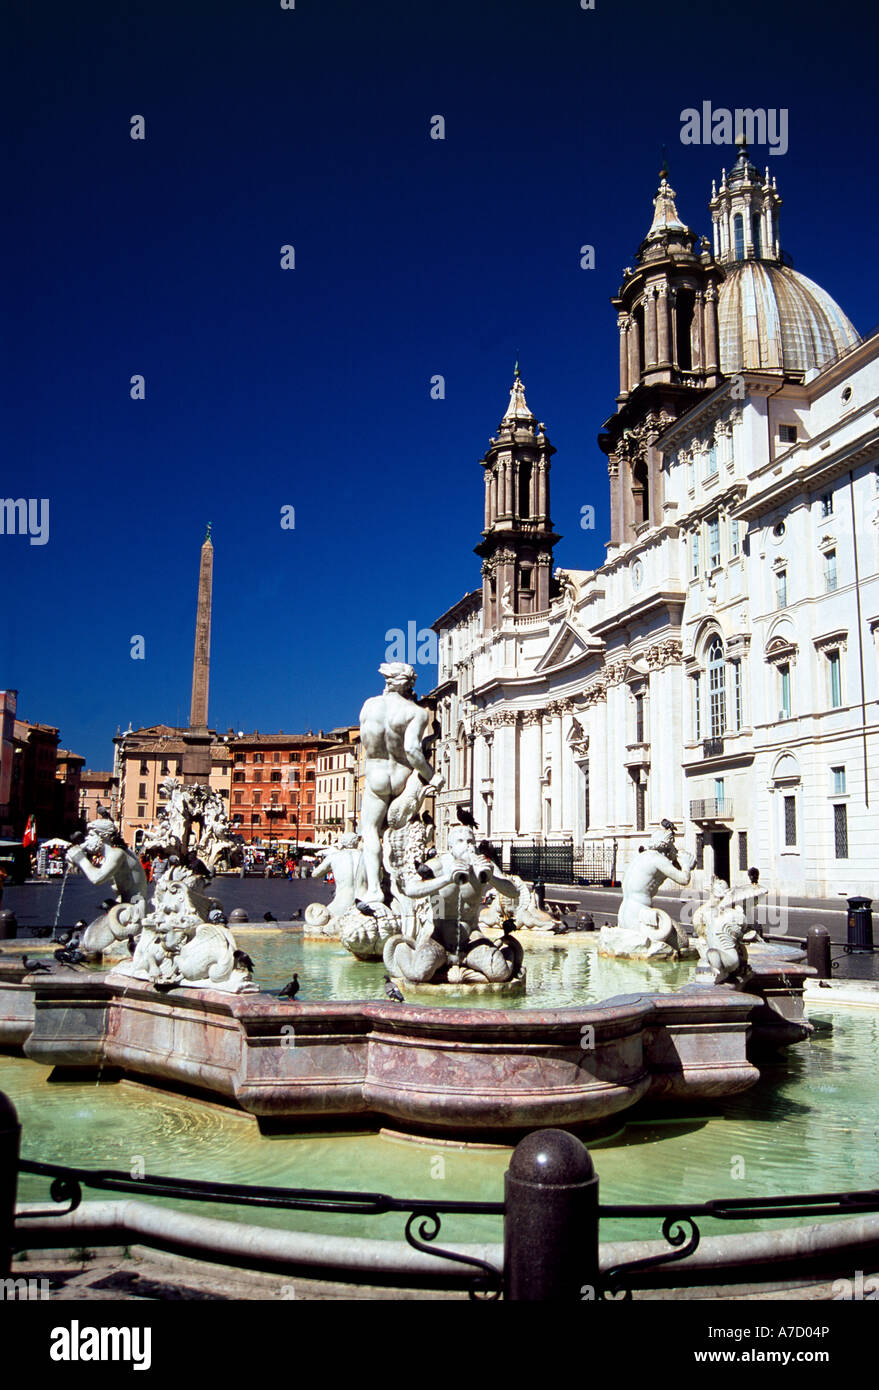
[
  {"x": 663, "y": 841},
  {"x": 100, "y": 833},
  {"x": 461, "y": 838},
  {"x": 349, "y": 840},
  {"x": 399, "y": 676}
]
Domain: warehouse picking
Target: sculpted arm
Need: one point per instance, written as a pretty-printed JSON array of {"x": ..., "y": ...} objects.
[
  {"x": 412, "y": 746},
  {"x": 104, "y": 871},
  {"x": 677, "y": 875},
  {"x": 322, "y": 868}
]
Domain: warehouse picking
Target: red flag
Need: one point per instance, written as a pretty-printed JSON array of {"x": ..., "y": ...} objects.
[{"x": 30, "y": 832}]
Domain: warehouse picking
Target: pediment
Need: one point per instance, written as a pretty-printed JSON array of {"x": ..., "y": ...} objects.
[{"x": 568, "y": 645}]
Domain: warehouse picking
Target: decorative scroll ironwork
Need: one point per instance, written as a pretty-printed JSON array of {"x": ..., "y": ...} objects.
[
  {"x": 679, "y": 1228},
  {"x": 428, "y": 1230},
  {"x": 67, "y": 1184}
]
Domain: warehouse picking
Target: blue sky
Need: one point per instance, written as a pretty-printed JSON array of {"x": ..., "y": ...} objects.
[{"x": 414, "y": 257}]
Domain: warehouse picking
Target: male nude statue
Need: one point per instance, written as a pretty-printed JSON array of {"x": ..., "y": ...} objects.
[
  {"x": 119, "y": 866},
  {"x": 644, "y": 877},
  {"x": 392, "y": 727}
]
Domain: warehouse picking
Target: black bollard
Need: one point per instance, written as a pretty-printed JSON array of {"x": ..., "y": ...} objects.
[
  {"x": 818, "y": 951},
  {"x": 8, "y": 926},
  {"x": 550, "y": 1221},
  {"x": 860, "y": 925},
  {"x": 10, "y": 1135},
  {"x": 540, "y": 890}
]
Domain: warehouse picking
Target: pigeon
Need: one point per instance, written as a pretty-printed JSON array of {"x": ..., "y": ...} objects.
[
  {"x": 290, "y": 990},
  {"x": 269, "y": 917},
  {"x": 364, "y": 908},
  {"x": 431, "y": 853},
  {"x": 69, "y": 955},
  {"x": 424, "y": 872},
  {"x": 242, "y": 960},
  {"x": 34, "y": 966},
  {"x": 392, "y": 992},
  {"x": 426, "y": 818},
  {"x": 465, "y": 818}
]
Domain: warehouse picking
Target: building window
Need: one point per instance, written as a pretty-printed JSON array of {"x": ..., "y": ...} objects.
[
  {"x": 526, "y": 579},
  {"x": 829, "y": 571},
  {"x": 257, "y": 798},
  {"x": 756, "y": 236},
  {"x": 711, "y": 461},
  {"x": 781, "y": 589},
  {"x": 733, "y": 539},
  {"x": 141, "y": 791},
  {"x": 639, "y": 718},
  {"x": 840, "y": 831},
  {"x": 239, "y": 757},
  {"x": 784, "y": 692},
  {"x": 713, "y": 543},
  {"x": 694, "y": 555},
  {"x": 144, "y": 768},
  {"x": 787, "y": 434},
  {"x": 739, "y": 236},
  {"x": 238, "y": 797},
  {"x": 838, "y": 781},
  {"x": 257, "y": 776},
  {"x": 790, "y": 821},
  {"x": 835, "y": 673},
  {"x": 276, "y": 757},
  {"x": 141, "y": 812},
  {"x": 166, "y": 771},
  {"x": 259, "y": 757},
  {"x": 237, "y": 776},
  {"x": 254, "y": 818},
  {"x": 716, "y": 689},
  {"x": 737, "y": 694},
  {"x": 743, "y": 850},
  {"x": 640, "y": 806},
  {"x": 276, "y": 776},
  {"x": 719, "y": 790},
  {"x": 827, "y": 504}
]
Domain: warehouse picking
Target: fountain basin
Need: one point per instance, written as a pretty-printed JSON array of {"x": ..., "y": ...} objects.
[{"x": 444, "y": 1070}]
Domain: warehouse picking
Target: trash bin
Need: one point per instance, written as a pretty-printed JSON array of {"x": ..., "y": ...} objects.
[{"x": 860, "y": 925}]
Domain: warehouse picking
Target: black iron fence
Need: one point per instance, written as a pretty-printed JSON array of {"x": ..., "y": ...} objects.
[
  {"x": 557, "y": 864},
  {"x": 551, "y": 1215}
]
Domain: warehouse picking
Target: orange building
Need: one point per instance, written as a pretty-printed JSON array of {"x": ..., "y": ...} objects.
[{"x": 274, "y": 786}]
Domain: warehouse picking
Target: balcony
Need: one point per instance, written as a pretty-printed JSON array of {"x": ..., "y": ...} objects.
[
  {"x": 712, "y": 748},
  {"x": 711, "y": 810}
]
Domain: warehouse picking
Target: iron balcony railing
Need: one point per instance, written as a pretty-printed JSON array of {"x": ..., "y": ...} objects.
[
  {"x": 711, "y": 810},
  {"x": 712, "y": 747}
]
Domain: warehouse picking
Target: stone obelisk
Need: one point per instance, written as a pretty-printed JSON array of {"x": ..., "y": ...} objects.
[{"x": 197, "y": 753}]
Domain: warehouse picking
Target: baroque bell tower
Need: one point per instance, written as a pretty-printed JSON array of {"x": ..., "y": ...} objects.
[
  {"x": 518, "y": 537},
  {"x": 667, "y": 318}
]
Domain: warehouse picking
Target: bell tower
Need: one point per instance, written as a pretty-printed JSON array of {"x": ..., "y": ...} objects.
[
  {"x": 518, "y": 538},
  {"x": 667, "y": 319}
]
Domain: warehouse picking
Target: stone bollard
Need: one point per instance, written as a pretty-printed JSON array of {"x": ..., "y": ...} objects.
[
  {"x": 551, "y": 1220},
  {"x": 10, "y": 1135},
  {"x": 818, "y": 951},
  {"x": 238, "y": 915}
]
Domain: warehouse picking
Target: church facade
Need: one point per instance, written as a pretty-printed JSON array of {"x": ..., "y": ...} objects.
[{"x": 721, "y": 668}]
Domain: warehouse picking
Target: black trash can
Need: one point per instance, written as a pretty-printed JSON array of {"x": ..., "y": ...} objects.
[{"x": 859, "y": 925}]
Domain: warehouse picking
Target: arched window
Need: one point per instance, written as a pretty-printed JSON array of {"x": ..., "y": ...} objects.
[
  {"x": 525, "y": 489},
  {"x": 716, "y": 689},
  {"x": 756, "y": 235},
  {"x": 739, "y": 236}
]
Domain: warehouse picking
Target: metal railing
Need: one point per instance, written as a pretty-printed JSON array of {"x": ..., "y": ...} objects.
[
  {"x": 551, "y": 1216},
  {"x": 711, "y": 810}
]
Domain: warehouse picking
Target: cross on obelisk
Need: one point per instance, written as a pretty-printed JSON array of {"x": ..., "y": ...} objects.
[{"x": 197, "y": 754}]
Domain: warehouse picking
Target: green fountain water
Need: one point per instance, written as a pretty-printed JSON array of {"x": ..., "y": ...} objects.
[{"x": 811, "y": 1124}]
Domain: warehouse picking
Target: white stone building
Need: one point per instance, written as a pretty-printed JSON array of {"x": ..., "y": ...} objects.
[{"x": 720, "y": 668}]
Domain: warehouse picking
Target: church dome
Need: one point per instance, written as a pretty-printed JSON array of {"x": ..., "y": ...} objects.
[{"x": 771, "y": 318}]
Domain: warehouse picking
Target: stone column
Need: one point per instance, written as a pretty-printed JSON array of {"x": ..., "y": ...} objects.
[
  {"x": 662, "y": 324},
  {"x": 650, "y": 329},
  {"x": 711, "y": 328},
  {"x": 597, "y": 730},
  {"x": 622, "y": 323},
  {"x": 487, "y": 498},
  {"x": 530, "y": 788},
  {"x": 697, "y": 339},
  {"x": 541, "y": 489},
  {"x": 558, "y": 773},
  {"x": 493, "y": 495},
  {"x": 634, "y": 355},
  {"x": 672, "y": 328}
]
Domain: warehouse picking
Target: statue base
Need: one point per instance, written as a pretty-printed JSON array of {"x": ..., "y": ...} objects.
[{"x": 508, "y": 988}]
